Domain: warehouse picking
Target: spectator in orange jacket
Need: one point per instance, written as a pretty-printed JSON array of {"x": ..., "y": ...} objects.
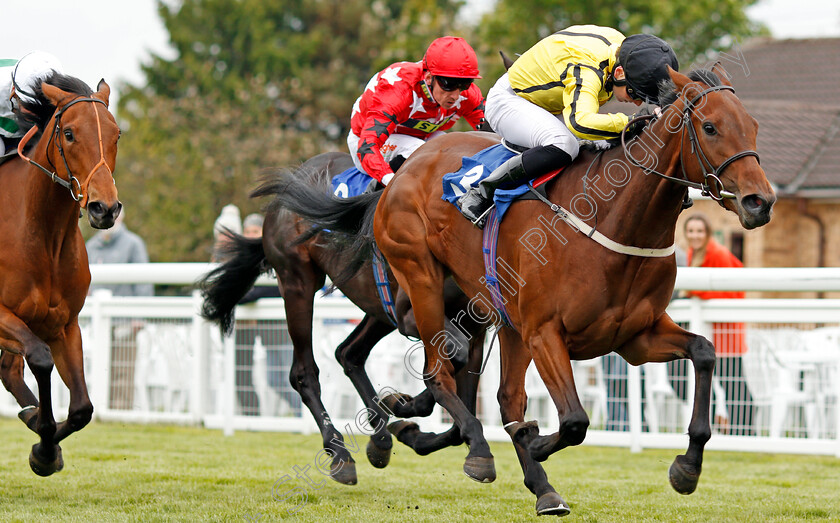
[{"x": 728, "y": 338}]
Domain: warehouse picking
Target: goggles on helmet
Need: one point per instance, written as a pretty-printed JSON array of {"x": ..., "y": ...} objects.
[{"x": 453, "y": 84}]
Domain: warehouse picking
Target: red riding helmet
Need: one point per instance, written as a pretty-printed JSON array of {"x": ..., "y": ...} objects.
[{"x": 452, "y": 57}]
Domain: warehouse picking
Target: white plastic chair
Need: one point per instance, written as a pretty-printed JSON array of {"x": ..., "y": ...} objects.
[
  {"x": 163, "y": 369},
  {"x": 271, "y": 403},
  {"x": 775, "y": 382}
]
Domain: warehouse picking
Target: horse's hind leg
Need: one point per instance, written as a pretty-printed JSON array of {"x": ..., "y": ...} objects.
[
  {"x": 352, "y": 354},
  {"x": 69, "y": 362},
  {"x": 512, "y": 402}
]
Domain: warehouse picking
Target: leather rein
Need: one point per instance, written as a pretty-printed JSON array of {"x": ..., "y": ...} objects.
[
  {"x": 711, "y": 174},
  {"x": 72, "y": 183}
]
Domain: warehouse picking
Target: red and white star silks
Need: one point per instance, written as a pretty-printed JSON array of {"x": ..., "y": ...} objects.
[{"x": 397, "y": 100}]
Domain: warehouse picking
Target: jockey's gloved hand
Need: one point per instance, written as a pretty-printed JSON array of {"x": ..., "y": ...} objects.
[{"x": 634, "y": 129}]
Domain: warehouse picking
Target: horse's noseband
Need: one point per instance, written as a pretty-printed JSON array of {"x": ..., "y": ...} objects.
[
  {"x": 711, "y": 175},
  {"x": 72, "y": 183}
]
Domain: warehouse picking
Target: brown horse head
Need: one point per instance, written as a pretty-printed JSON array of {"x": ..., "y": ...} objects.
[
  {"x": 719, "y": 145},
  {"x": 85, "y": 139}
]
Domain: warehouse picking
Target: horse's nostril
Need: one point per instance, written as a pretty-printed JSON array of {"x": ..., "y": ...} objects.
[
  {"x": 96, "y": 209},
  {"x": 754, "y": 203}
]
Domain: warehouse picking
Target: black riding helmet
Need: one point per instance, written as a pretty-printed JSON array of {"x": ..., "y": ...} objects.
[{"x": 644, "y": 59}]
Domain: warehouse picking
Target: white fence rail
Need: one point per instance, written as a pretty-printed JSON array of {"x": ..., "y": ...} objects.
[{"x": 154, "y": 359}]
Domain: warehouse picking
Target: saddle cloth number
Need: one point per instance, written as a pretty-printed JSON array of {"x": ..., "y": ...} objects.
[{"x": 466, "y": 181}]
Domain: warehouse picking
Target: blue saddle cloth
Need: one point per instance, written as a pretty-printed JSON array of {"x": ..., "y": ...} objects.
[
  {"x": 349, "y": 183},
  {"x": 476, "y": 168}
]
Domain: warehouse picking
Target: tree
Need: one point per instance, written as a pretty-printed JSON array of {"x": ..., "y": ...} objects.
[
  {"x": 695, "y": 29},
  {"x": 255, "y": 85}
]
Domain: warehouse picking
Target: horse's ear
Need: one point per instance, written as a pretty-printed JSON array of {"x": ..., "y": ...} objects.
[
  {"x": 506, "y": 60},
  {"x": 103, "y": 91},
  {"x": 54, "y": 94},
  {"x": 721, "y": 73},
  {"x": 680, "y": 80}
]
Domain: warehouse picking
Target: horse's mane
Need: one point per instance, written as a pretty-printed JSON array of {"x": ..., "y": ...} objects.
[
  {"x": 40, "y": 110},
  {"x": 668, "y": 92}
]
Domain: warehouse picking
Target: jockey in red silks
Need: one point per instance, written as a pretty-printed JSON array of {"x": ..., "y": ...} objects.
[{"x": 408, "y": 103}]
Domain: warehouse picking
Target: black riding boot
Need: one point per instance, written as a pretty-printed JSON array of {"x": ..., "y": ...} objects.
[
  {"x": 532, "y": 163},
  {"x": 478, "y": 200}
]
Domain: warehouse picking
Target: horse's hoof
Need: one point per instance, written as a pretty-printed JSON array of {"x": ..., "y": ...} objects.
[
  {"x": 344, "y": 472},
  {"x": 480, "y": 469},
  {"x": 551, "y": 504},
  {"x": 377, "y": 456},
  {"x": 400, "y": 428},
  {"x": 683, "y": 480},
  {"x": 45, "y": 467},
  {"x": 393, "y": 402}
]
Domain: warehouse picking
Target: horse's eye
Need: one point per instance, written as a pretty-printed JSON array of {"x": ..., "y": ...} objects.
[
  {"x": 68, "y": 135},
  {"x": 709, "y": 128}
]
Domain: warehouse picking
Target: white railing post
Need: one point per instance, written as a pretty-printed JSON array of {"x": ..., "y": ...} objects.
[
  {"x": 228, "y": 388},
  {"x": 201, "y": 356},
  {"x": 634, "y": 406},
  {"x": 100, "y": 379},
  {"x": 698, "y": 325},
  {"x": 837, "y": 411}
]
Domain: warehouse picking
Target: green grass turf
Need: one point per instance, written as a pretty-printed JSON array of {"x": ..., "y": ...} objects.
[{"x": 122, "y": 472}]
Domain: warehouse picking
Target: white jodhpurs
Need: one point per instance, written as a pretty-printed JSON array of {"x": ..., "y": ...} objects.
[
  {"x": 523, "y": 123},
  {"x": 396, "y": 145}
]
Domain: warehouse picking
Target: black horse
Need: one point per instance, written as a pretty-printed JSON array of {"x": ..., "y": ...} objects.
[{"x": 302, "y": 257}]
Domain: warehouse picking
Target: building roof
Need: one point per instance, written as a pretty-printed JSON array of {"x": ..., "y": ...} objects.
[
  {"x": 792, "y": 87},
  {"x": 806, "y": 71}
]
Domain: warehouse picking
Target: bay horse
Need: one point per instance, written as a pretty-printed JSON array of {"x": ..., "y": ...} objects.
[
  {"x": 570, "y": 295},
  {"x": 301, "y": 267},
  {"x": 65, "y": 164}
]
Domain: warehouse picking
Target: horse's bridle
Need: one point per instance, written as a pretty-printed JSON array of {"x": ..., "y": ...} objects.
[
  {"x": 72, "y": 183},
  {"x": 710, "y": 172}
]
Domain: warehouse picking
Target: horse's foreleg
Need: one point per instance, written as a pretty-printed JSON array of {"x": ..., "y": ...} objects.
[
  {"x": 466, "y": 381},
  {"x": 352, "y": 354},
  {"x": 422, "y": 405},
  {"x": 304, "y": 374},
  {"x": 512, "y": 402},
  {"x": 15, "y": 336},
  {"x": 685, "y": 471},
  {"x": 555, "y": 368},
  {"x": 667, "y": 341},
  {"x": 69, "y": 362},
  {"x": 11, "y": 372}
]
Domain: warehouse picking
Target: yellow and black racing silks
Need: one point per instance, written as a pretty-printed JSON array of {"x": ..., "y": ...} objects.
[{"x": 566, "y": 73}]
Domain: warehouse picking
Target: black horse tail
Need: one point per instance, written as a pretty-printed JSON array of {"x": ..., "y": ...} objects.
[
  {"x": 224, "y": 286},
  {"x": 346, "y": 222}
]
